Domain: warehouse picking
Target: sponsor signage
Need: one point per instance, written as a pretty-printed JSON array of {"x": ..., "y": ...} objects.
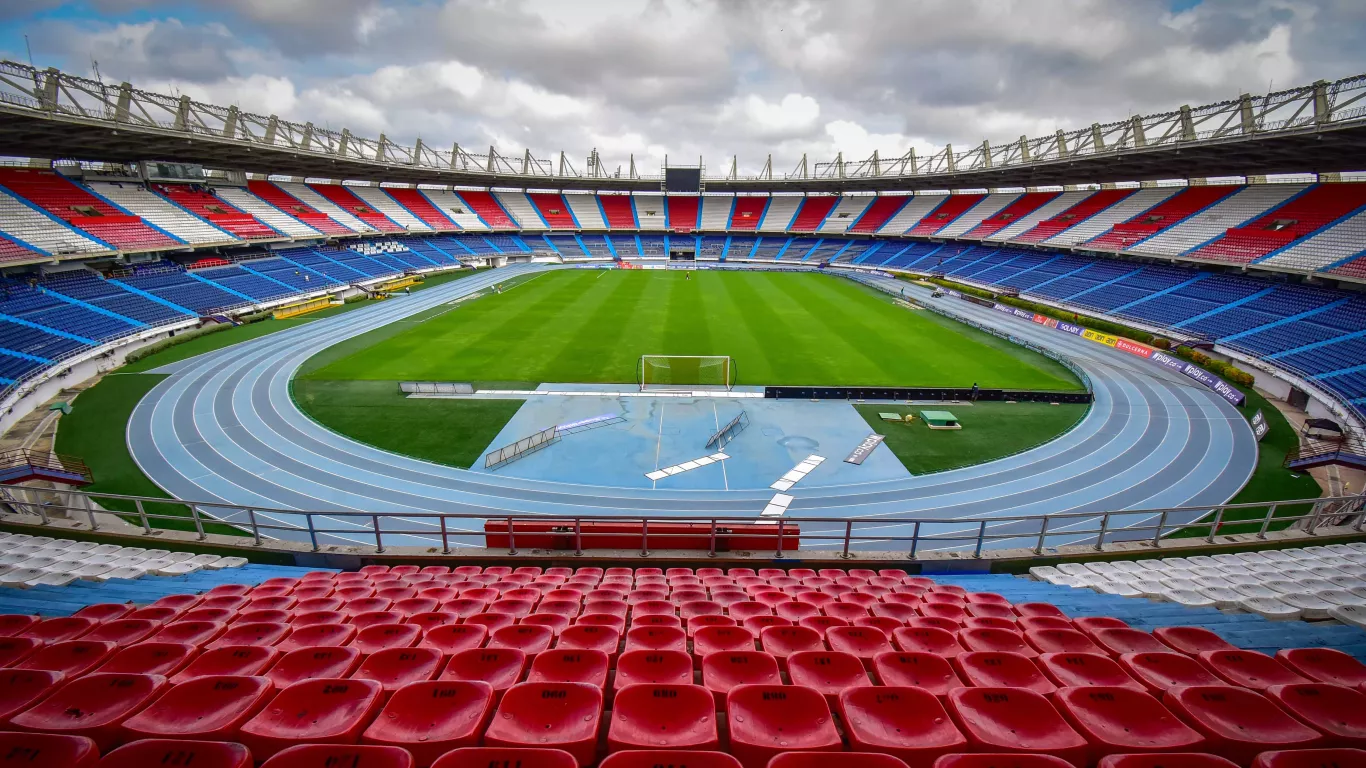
[
  {"x": 1133, "y": 348},
  {"x": 1221, "y": 387},
  {"x": 1259, "y": 425},
  {"x": 1075, "y": 330},
  {"x": 864, "y": 448}
]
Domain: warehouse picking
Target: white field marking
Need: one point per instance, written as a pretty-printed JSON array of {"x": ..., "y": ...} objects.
[
  {"x": 795, "y": 475},
  {"x": 777, "y": 505},
  {"x": 659, "y": 442},
  {"x": 717, "y": 416},
  {"x": 660, "y": 474}
]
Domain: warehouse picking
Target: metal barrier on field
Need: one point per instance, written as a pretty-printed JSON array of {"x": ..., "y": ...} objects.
[
  {"x": 523, "y": 447},
  {"x": 436, "y": 388}
]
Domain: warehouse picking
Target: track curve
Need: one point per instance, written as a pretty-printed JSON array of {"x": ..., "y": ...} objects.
[{"x": 223, "y": 428}]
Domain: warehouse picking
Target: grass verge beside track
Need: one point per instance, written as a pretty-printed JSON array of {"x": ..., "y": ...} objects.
[
  {"x": 451, "y": 432},
  {"x": 990, "y": 431}
]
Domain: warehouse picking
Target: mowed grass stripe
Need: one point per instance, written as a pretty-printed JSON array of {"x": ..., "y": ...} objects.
[{"x": 781, "y": 328}]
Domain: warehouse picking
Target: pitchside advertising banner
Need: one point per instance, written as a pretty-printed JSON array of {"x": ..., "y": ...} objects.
[{"x": 1221, "y": 387}]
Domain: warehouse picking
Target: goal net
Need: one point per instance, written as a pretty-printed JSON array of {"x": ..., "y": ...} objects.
[{"x": 686, "y": 372}]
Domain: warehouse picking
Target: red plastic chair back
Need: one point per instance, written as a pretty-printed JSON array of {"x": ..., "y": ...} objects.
[
  {"x": 933, "y": 640},
  {"x": 1060, "y": 641},
  {"x": 656, "y": 639},
  {"x": 1090, "y": 625},
  {"x": 1249, "y": 669},
  {"x": 232, "y": 660},
  {"x": 318, "y": 710},
  {"x": 196, "y": 633},
  {"x": 363, "y": 621},
  {"x": 1119, "y": 720},
  {"x": 465, "y": 607},
  {"x": 432, "y": 718},
  {"x": 165, "y": 659},
  {"x": 210, "y": 708},
  {"x": 1325, "y": 665},
  {"x": 652, "y": 758},
  {"x": 757, "y": 624},
  {"x": 908, "y": 723},
  {"x": 261, "y": 634},
  {"x": 765, "y": 720},
  {"x": 501, "y": 668},
  {"x": 991, "y": 622},
  {"x": 829, "y": 672},
  {"x": 709, "y": 640},
  {"x": 862, "y": 642},
  {"x": 22, "y": 688},
  {"x": 527, "y": 638},
  {"x": 570, "y": 666},
  {"x": 994, "y": 669},
  {"x": 1162, "y": 672},
  {"x": 381, "y": 637},
  {"x": 15, "y": 649},
  {"x": 93, "y": 706},
  {"x": 318, "y": 636},
  {"x": 722, "y": 672},
  {"x": 1239, "y": 723},
  {"x": 590, "y": 637},
  {"x": 318, "y": 617},
  {"x": 1014, "y": 720},
  {"x": 44, "y": 750},
  {"x": 72, "y": 658},
  {"x": 668, "y": 667},
  {"x": 484, "y": 757},
  {"x": 1336, "y": 711},
  {"x": 899, "y": 669},
  {"x": 844, "y": 759},
  {"x": 451, "y": 639},
  {"x": 1026, "y": 623},
  {"x": 1192, "y": 641},
  {"x": 123, "y": 632},
  {"x": 334, "y": 755},
  {"x": 556, "y": 715},
  {"x": 492, "y": 621},
  {"x": 663, "y": 716},
  {"x": 782, "y": 642},
  {"x": 1006, "y": 760},
  {"x": 14, "y": 624},
  {"x": 1121, "y": 640},
  {"x": 996, "y": 640},
  {"x": 1299, "y": 758},
  {"x": 394, "y": 668},
  {"x": 1039, "y": 609},
  {"x": 59, "y": 629},
  {"x": 312, "y": 663},
  {"x": 1071, "y": 670}
]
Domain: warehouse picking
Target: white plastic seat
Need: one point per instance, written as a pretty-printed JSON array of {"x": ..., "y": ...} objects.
[
  {"x": 153, "y": 564},
  {"x": 1341, "y": 597},
  {"x": 1311, "y": 606},
  {"x": 106, "y": 549},
  {"x": 1074, "y": 569},
  {"x": 1148, "y": 587},
  {"x": 1182, "y": 584},
  {"x": 1043, "y": 572},
  {"x": 52, "y": 579},
  {"x": 1284, "y": 586},
  {"x": 1207, "y": 572},
  {"x": 103, "y": 559},
  {"x": 204, "y": 560},
  {"x": 1102, "y": 568},
  {"x": 1317, "y": 584},
  {"x": 41, "y": 541},
  {"x": 227, "y": 562},
  {"x": 179, "y": 557},
  {"x": 91, "y": 572},
  {"x": 129, "y": 572},
  {"x": 177, "y": 569},
  {"x": 38, "y": 562},
  {"x": 19, "y": 576},
  {"x": 1257, "y": 591},
  {"x": 1223, "y": 597},
  {"x": 1129, "y": 566},
  {"x": 1189, "y": 598},
  {"x": 1119, "y": 589},
  {"x": 81, "y": 546},
  {"x": 1271, "y": 609},
  {"x": 1201, "y": 560}
]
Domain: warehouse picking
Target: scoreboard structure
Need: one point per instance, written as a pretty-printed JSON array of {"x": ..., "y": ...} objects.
[{"x": 687, "y": 180}]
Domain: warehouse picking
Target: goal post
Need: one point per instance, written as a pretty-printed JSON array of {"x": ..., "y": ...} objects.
[{"x": 686, "y": 372}]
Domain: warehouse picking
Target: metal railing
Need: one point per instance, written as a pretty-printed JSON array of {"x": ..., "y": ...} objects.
[{"x": 909, "y": 536}]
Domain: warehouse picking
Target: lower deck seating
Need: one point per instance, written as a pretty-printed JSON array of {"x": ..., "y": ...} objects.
[{"x": 574, "y": 667}]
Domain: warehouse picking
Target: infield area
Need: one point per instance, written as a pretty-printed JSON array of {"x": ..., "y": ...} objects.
[{"x": 592, "y": 326}]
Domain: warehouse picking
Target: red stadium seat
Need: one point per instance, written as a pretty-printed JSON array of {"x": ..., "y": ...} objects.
[
  {"x": 861, "y": 642},
  {"x": 23, "y": 688},
  {"x": 1324, "y": 665},
  {"x": 318, "y": 617},
  {"x": 1239, "y": 723},
  {"x": 933, "y": 640},
  {"x": 311, "y": 663},
  {"x": 745, "y": 609},
  {"x": 1248, "y": 669},
  {"x": 555, "y": 715},
  {"x": 196, "y": 633},
  {"x": 501, "y": 668},
  {"x": 491, "y": 621},
  {"x": 465, "y": 607},
  {"x": 782, "y": 642},
  {"x": 827, "y": 671},
  {"x": 1121, "y": 640},
  {"x": 122, "y": 632},
  {"x": 902, "y": 613},
  {"x": 430, "y": 719},
  {"x": 43, "y": 750},
  {"x": 15, "y": 649},
  {"x": 915, "y": 669},
  {"x": 341, "y": 756},
  {"x": 381, "y": 637},
  {"x": 1043, "y": 622},
  {"x": 656, "y": 620},
  {"x": 454, "y": 638},
  {"x": 1060, "y": 641},
  {"x": 1067, "y": 670},
  {"x": 93, "y": 706},
  {"x": 724, "y": 671},
  {"x": 333, "y": 603},
  {"x": 555, "y": 622},
  {"x": 996, "y": 640},
  {"x": 993, "y": 669},
  {"x": 672, "y": 667},
  {"x": 695, "y": 623},
  {"x": 796, "y": 611},
  {"x": 366, "y": 605},
  {"x": 848, "y": 612},
  {"x": 394, "y": 668},
  {"x": 1039, "y": 609},
  {"x": 363, "y": 621},
  {"x": 1118, "y": 720},
  {"x": 570, "y": 666},
  {"x": 15, "y": 624},
  {"x": 1336, "y": 711},
  {"x": 209, "y": 708},
  {"x": 1015, "y": 720},
  {"x": 411, "y": 605},
  {"x": 1162, "y": 672},
  {"x": 1002, "y": 760},
  {"x": 663, "y": 717},
  {"x": 60, "y": 629},
  {"x": 991, "y": 622},
  {"x": 656, "y": 639},
  {"x": 1300, "y": 758},
  {"x": 757, "y": 624},
  {"x": 765, "y": 720},
  {"x": 321, "y": 710},
  {"x": 654, "y": 758},
  {"x": 262, "y": 615},
  {"x": 590, "y": 637},
  {"x": 906, "y": 722},
  {"x": 527, "y": 638},
  {"x": 165, "y": 659},
  {"x": 72, "y": 658},
  {"x": 506, "y": 757},
  {"x": 934, "y": 622},
  {"x": 844, "y": 759},
  {"x": 260, "y": 634},
  {"x": 236, "y": 660},
  {"x": 1192, "y": 641},
  {"x": 318, "y": 636},
  {"x": 429, "y": 619},
  {"x": 711, "y": 640}
]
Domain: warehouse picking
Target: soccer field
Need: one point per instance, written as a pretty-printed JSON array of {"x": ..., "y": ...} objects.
[{"x": 592, "y": 326}]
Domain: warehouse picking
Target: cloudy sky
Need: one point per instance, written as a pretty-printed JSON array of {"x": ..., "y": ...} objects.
[{"x": 697, "y": 77}]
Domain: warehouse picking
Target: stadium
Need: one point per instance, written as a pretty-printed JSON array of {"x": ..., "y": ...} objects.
[{"x": 367, "y": 448}]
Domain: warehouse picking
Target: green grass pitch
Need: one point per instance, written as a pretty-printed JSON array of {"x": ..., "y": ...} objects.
[{"x": 592, "y": 326}]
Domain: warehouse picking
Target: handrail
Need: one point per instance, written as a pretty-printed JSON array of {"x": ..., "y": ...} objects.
[{"x": 910, "y": 535}]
